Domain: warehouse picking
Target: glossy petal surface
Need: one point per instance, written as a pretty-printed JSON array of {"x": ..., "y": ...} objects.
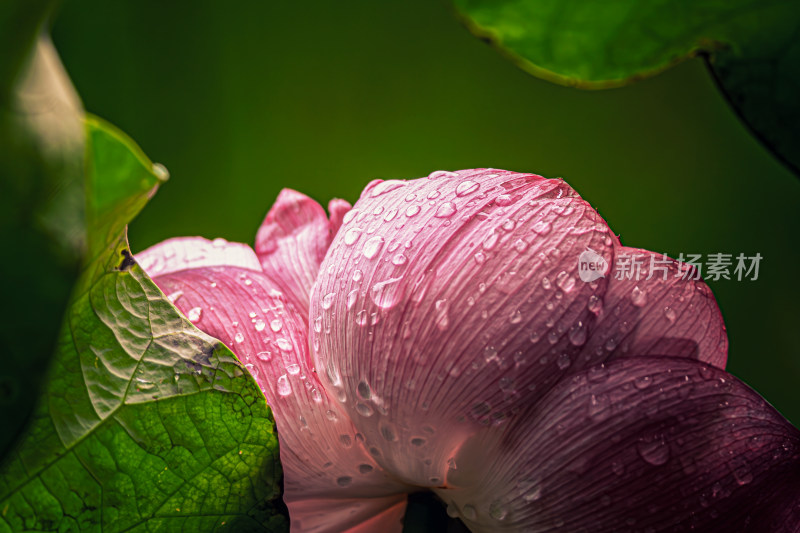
[{"x": 639, "y": 444}]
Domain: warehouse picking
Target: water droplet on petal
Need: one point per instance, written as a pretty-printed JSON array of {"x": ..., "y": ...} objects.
[
  {"x": 491, "y": 240},
  {"x": 520, "y": 246},
  {"x": 654, "y": 450},
  {"x": 386, "y": 293},
  {"x": 670, "y": 314},
  {"x": 530, "y": 489},
  {"x": 516, "y": 317},
  {"x": 412, "y": 210},
  {"x": 364, "y": 409},
  {"x": 357, "y": 275},
  {"x": 498, "y": 511},
  {"x": 238, "y": 337},
  {"x": 284, "y": 345},
  {"x": 365, "y": 468},
  {"x": 577, "y": 334},
  {"x": 638, "y": 297},
  {"x": 563, "y": 361},
  {"x": 399, "y": 260},
  {"x": 469, "y": 512},
  {"x": 373, "y": 246},
  {"x": 351, "y": 236},
  {"x": 293, "y": 369},
  {"x": 504, "y": 200},
  {"x": 283, "y": 386},
  {"x": 565, "y": 281},
  {"x": 276, "y": 325},
  {"x": 445, "y": 210},
  {"x": 442, "y": 174},
  {"x": 344, "y": 481},
  {"x": 384, "y": 187},
  {"x": 542, "y": 227},
  {"x": 260, "y": 325},
  {"x": 173, "y": 297},
  {"x": 327, "y": 300},
  {"x": 194, "y": 314},
  {"x": 466, "y": 187},
  {"x": 361, "y": 318},
  {"x": 642, "y": 382}
]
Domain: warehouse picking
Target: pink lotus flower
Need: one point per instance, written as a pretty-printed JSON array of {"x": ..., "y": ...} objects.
[{"x": 437, "y": 336}]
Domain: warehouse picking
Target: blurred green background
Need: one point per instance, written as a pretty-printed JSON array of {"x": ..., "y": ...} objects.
[{"x": 240, "y": 100}]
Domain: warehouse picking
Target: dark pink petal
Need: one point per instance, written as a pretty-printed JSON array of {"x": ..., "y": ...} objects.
[
  {"x": 670, "y": 313},
  {"x": 445, "y": 305},
  {"x": 182, "y": 253},
  {"x": 323, "y": 456},
  {"x": 292, "y": 241},
  {"x": 639, "y": 444}
]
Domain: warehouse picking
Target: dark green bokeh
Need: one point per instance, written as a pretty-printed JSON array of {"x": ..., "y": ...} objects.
[{"x": 241, "y": 100}]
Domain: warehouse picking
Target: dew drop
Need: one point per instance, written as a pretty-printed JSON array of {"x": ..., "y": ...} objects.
[
  {"x": 565, "y": 282},
  {"x": 346, "y": 440},
  {"x": 238, "y": 337},
  {"x": 654, "y": 451},
  {"x": 498, "y": 511},
  {"x": 577, "y": 334},
  {"x": 361, "y": 318},
  {"x": 508, "y": 225},
  {"x": 504, "y": 200},
  {"x": 194, "y": 314},
  {"x": 352, "y": 297},
  {"x": 530, "y": 489},
  {"x": 364, "y": 409},
  {"x": 385, "y": 186},
  {"x": 520, "y": 246},
  {"x": 480, "y": 258},
  {"x": 373, "y": 246},
  {"x": 638, "y": 297},
  {"x": 418, "y": 441},
  {"x": 284, "y": 345},
  {"x": 399, "y": 260},
  {"x": 385, "y": 294},
  {"x": 563, "y": 361},
  {"x": 276, "y": 325},
  {"x": 446, "y": 210},
  {"x": 283, "y": 386},
  {"x": 670, "y": 314},
  {"x": 173, "y": 297},
  {"x": 466, "y": 187},
  {"x": 327, "y": 300},
  {"x": 264, "y": 356},
  {"x": 542, "y": 227},
  {"x": 344, "y": 481},
  {"x": 412, "y": 210},
  {"x": 260, "y": 325},
  {"x": 365, "y": 468},
  {"x": 293, "y": 369},
  {"x": 642, "y": 382},
  {"x": 516, "y": 317},
  {"x": 357, "y": 275},
  {"x": 491, "y": 240},
  {"x": 351, "y": 236},
  {"x": 469, "y": 512}
]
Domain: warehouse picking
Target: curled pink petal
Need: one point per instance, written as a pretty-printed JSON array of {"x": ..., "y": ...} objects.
[
  {"x": 642, "y": 443},
  {"x": 322, "y": 454},
  {"x": 292, "y": 241},
  {"x": 446, "y": 305},
  {"x": 182, "y": 253},
  {"x": 338, "y": 208},
  {"x": 661, "y": 310}
]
